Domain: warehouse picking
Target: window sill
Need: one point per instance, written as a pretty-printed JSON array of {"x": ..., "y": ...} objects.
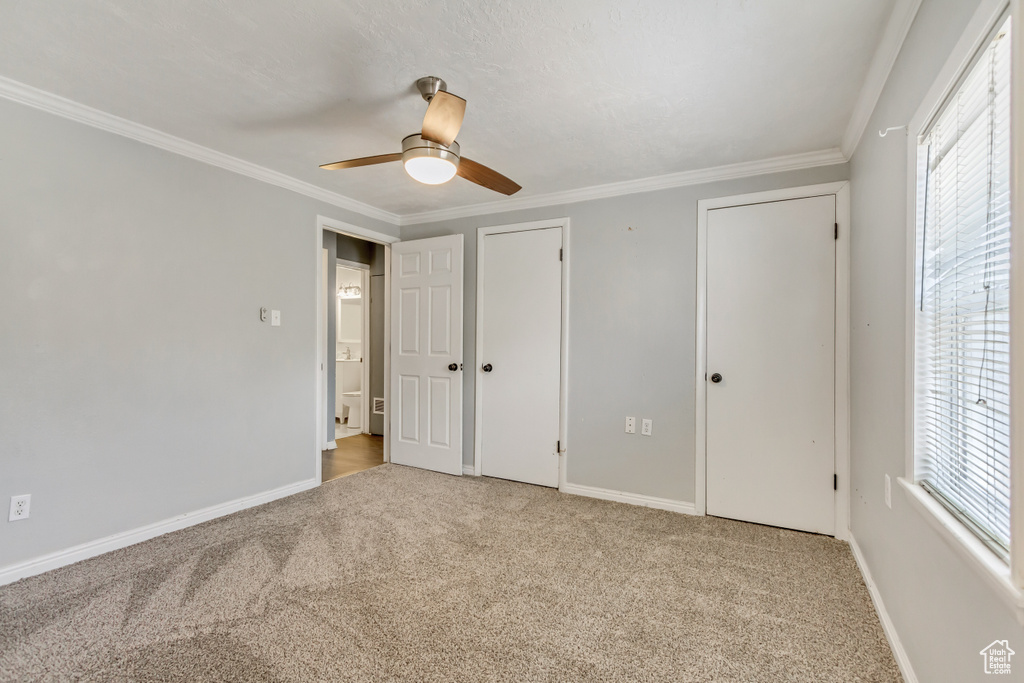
[{"x": 991, "y": 567}]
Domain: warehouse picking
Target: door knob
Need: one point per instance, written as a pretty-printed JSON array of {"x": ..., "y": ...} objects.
[
  {"x": 453, "y": 367},
  {"x": 487, "y": 368},
  {"x": 716, "y": 378}
]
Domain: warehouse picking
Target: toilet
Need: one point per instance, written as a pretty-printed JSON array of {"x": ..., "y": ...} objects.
[
  {"x": 352, "y": 401},
  {"x": 348, "y": 396}
]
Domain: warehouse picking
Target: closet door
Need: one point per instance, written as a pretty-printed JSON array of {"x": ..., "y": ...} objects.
[
  {"x": 771, "y": 363},
  {"x": 519, "y": 320}
]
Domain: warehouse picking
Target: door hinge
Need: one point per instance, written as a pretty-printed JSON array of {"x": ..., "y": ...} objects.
[
  {"x": 559, "y": 254},
  {"x": 837, "y": 231},
  {"x": 835, "y": 482}
]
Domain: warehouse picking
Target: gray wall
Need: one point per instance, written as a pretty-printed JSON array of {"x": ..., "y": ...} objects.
[
  {"x": 359, "y": 251},
  {"x": 138, "y": 382},
  {"x": 942, "y": 610},
  {"x": 377, "y": 346},
  {"x": 631, "y": 341}
]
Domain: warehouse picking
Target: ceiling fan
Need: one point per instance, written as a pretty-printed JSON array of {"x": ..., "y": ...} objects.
[{"x": 432, "y": 156}]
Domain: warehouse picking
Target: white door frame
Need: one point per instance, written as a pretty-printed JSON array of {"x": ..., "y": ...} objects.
[
  {"x": 324, "y": 223},
  {"x": 841, "y": 191},
  {"x": 563, "y": 380},
  {"x": 364, "y": 337}
]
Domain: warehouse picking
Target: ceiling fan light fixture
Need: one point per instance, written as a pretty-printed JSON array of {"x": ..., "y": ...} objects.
[{"x": 430, "y": 163}]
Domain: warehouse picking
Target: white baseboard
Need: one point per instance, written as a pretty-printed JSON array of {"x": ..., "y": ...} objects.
[
  {"x": 468, "y": 470},
  {"x": 630, "y": 498},
  {"x": 331, "y": 445},
  {"x": 45, "y": 563},
  {"x": 902, "y": 661}
]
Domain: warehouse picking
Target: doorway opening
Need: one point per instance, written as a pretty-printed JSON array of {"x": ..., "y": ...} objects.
[{"x": 352, "y": 350}]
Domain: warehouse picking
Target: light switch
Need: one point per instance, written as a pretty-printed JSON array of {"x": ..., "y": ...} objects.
[{"x": 275, "y": 318}]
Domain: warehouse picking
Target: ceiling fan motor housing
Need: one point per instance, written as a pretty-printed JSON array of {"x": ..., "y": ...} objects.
[{"x": 414, "y": 146}]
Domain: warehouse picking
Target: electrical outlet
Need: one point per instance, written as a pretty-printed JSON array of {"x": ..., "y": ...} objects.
[
  {"x": 888, "y": 492},
  {"x": 19, "y": 507},
  {"x": 631, "y": 425},
  {"x": 275, "y": 318},
  {"x": 646, "y": 426}
]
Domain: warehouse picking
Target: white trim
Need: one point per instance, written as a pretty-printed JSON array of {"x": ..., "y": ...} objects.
[
  {"x": 68, "y": 109},
  {"x": 334, "y": 225},
  {"x": 1017, "y": 288},
  {"x": 896, "y": 30},
  {"x": 895, "y": 644},
  {"x": 365, "y": 344},
  {"x": 84, "y": 551},
  {"x": 841, "y": 190},
  {"x": 563, "y": 380},
  {"x": 469, "y": 470},
  {"x": 324, "y": 223},
  {"x": 965, "y": 544},
  {"x": 826, "y": 157},
  {"x": 843, "y": 405},
  {"x": 353, "y": 265},
  {"x": 630, "y": 498}
]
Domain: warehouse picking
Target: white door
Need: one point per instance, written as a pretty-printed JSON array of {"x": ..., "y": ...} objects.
[
  {"x": 771, "y": 363},
  {"x": 520, "y": 319},
  {"x": 426, "y": 353}
]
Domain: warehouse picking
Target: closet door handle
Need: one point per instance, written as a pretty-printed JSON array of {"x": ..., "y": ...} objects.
[
  {"x": 487, "y": 368},
  {"x": 716, "y": 378},
  {"x": 453, "y": 367}
]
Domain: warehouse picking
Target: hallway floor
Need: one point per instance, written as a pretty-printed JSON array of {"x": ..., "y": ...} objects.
[{"x": 355, "y": 453}]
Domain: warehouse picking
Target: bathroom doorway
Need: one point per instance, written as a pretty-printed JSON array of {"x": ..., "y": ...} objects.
[
  {"x": 351, "y": 368},
  {"x": 353, "y": 351}
]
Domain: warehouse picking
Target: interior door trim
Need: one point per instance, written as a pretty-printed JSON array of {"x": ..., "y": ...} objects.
[
  {"x": 563, "y": 380},
  {"x": 841, "y": 191}
]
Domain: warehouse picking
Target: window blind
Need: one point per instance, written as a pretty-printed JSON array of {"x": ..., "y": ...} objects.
[{"x": 962, "y": 440}]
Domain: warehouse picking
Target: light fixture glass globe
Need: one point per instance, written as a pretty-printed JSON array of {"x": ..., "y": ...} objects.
[{"x": 430, "y": 170}]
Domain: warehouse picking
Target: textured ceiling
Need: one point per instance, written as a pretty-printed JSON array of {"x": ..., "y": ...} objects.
[{"x": 562, "y": 95}]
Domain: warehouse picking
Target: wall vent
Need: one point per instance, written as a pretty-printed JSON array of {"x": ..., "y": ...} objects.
[{"x": 378, "y": 406}]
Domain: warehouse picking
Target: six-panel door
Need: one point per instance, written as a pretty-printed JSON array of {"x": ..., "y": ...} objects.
[{"x": 426, "y": 353}]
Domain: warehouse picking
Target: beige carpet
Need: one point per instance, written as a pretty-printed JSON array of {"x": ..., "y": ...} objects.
[{"x": 395, "y": 574}]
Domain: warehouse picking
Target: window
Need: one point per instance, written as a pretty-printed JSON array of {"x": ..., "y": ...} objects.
[{"x": 962, "y": 339}]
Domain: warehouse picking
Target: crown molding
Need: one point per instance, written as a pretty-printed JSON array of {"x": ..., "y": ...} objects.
[
  {"x": 54, "y": 104},
  {"x": 896, "y": 30},
  {"x": 825, "y": 157}
]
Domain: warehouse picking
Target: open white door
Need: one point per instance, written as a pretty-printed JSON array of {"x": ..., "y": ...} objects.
[{"x": 426, "y": 353}]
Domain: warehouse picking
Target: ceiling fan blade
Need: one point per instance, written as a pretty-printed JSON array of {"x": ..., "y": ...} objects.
[
  {"x": 444, "y": 118},
  {"x": 486, "y": 177},
  {"x": 363, "y": 161}
]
